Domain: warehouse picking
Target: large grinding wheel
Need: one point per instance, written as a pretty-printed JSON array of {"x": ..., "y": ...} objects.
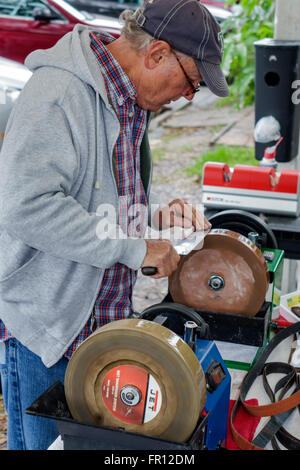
[
  {"x": 137, "y": 375},
  {"x": 228, "y": 275}
]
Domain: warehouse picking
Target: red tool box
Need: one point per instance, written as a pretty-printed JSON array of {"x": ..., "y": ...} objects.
[{"x": 253, "y": 188}]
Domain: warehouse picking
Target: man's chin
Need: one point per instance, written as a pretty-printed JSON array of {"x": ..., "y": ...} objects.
[{"x": 151, "y": 106}]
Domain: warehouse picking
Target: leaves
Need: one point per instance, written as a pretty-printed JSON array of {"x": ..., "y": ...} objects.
[{"x": 255, "y": 21}]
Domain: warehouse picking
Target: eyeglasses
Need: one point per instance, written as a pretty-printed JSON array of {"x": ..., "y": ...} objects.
[{"x": 189, "y": 80}]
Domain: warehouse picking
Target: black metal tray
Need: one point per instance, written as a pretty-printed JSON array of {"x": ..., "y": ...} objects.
[
  {"x": 78, "y": 436},
  {"x": 239, "y": 329}
]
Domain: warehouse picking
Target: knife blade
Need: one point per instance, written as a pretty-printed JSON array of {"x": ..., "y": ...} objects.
[
  {"x": 186, "y": 245},
  {"x": 183, "y": 248}
]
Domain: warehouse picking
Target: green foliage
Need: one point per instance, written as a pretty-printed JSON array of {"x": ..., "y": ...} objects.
[
  {"x": 232, "y": 155},
  {"x": 254, "y": 22}
]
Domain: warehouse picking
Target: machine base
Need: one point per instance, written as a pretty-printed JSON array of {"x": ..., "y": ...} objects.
[
  {"x": 79, "y": 436},
  {"x": 209, "y": 434},
  {"x": 252, "y": 331}
]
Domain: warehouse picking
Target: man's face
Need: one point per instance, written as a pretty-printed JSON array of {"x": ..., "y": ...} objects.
[{"x": 175, "y": 75}]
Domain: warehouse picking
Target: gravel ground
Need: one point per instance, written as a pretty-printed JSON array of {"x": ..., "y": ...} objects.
[
  {"x": 173, "y": 150},
  {"x": 2, "y": 425}
]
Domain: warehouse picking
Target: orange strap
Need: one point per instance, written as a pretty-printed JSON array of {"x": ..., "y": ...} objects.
[{"x": 240, "y": 441}]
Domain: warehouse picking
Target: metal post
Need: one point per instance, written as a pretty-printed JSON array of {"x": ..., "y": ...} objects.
[
  {"x": 287, "y": 20},
  {"x": 286, "y": 28}
]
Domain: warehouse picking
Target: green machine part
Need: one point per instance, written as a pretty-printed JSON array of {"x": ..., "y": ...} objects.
[{"x": 274, "y": 259}]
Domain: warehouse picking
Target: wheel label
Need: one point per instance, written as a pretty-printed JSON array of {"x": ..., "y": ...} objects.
[{"x": 131, "y": 394}]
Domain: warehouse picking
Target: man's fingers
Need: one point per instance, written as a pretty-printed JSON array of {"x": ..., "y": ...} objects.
[
  {"x": 181, "y": 213},
  {"x": 187, "y": 215},
  {"x": 161, "y": 255}
]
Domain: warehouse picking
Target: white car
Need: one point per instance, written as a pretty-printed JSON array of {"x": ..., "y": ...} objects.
[{"x": 13, "y": 77}]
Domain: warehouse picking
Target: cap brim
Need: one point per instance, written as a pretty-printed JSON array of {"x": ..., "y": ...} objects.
[{"x": 213, "y": 77}]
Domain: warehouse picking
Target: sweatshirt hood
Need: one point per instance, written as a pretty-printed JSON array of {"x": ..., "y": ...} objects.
[{"x": 73, "y": 54}]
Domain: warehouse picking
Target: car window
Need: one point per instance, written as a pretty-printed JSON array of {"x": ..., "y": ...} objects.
[
  {"x": 23, "y": 8},
  {"x": 131, "y": 2},
  {"x": 111, "y": 8},
  {"x": 7, "y": 7}
]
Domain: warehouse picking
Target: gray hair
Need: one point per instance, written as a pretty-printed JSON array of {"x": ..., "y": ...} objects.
[{"x": 138, "y": 38}]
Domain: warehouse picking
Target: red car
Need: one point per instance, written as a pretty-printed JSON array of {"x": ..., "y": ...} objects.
[
  {"x": 218, "y": 3},
  {"x": 26, "y": 25},
  {"x": 215, "y": 3}
]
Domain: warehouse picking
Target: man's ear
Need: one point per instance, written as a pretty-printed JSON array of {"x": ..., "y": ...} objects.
[{"x": 156, "y": 54}]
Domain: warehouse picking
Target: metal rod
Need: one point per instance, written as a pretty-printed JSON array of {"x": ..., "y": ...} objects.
[{"x": 190, "y": 333}]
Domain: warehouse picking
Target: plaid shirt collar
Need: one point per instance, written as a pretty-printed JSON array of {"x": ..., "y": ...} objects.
[{"x": 117, "y": 81}]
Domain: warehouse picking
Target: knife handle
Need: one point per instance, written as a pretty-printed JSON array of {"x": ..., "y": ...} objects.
[{"x": 149, "y": 270}]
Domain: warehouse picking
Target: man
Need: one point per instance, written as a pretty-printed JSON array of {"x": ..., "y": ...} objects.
[{"x": 76, "y": 159}]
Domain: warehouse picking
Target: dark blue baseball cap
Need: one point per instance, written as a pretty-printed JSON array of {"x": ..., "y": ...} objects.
[{"x": 190, "y": 28}]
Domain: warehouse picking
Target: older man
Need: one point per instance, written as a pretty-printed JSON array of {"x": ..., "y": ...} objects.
[{"x": 75, "y": 173}]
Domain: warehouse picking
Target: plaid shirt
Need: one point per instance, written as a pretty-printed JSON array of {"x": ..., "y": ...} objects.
[{"x": 114, "y": 299}]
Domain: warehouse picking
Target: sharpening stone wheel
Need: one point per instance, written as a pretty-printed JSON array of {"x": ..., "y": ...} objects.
[
  {"x": 228, "y": 275},
  {"x": 137, "y": 375}
]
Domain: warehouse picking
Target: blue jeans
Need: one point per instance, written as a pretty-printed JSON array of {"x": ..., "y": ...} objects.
[{"x": 24, "y": 378}]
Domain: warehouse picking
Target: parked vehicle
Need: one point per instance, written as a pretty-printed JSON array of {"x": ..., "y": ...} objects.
[
  {"x": 13, "y": 77},
  {"x": 219, "y": 3},
  {"x": 113, "y": 8},
  {"x": 215, "y": 3},
  {"x": 26, "y": 25}
]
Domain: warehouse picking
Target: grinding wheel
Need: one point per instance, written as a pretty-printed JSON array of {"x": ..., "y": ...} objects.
[
  {"x": 137, "y": 375},
  {"x": 228, "y": 275}
]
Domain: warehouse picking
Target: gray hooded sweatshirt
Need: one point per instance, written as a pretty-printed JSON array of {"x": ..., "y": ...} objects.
[{"x": 56, "y": 169}]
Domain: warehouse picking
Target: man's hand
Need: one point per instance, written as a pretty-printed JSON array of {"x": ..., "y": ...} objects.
[
  {"x": 161, "y": 255},
  {"x": 179, "y": 212}
]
